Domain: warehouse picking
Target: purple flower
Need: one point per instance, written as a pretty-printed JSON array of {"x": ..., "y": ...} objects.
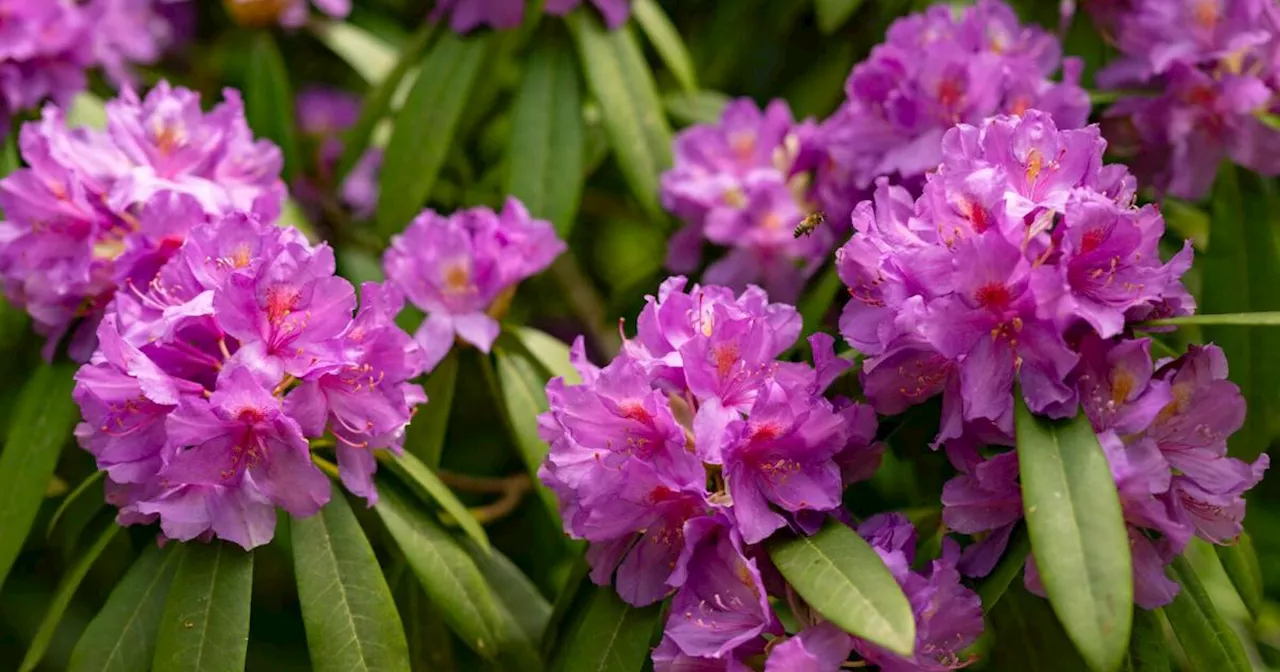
[
  {"x": 455, "y": 267},
  {"x": 296, "y": 11},
  {"x": 44, "y": 52},
  {"x": 615, "y": 12},
  {"x": 817, "y": 648},
  {"x": 737, "y": 184},
  {"x": 211, "y": 374},
  {"x": 324, "y": 114},
  {"x": 126, "y": 32},
  {"x": 948, "y": 615},
  {"x": 466, "y": 15},
  {"x": 982, "y": 62}
]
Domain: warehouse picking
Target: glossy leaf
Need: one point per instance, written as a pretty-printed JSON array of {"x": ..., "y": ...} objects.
[
  {"x": 1207, "y": 639},
  {"x": 1148, "y": 650},
  {"x": 634, "y": 122},
  {"x": 1077, "y": 533},
  {"x": 604, "y": 634},
  {"x": 429, "y": 487},
  {"x": 832, "y": 14},
  {"x": 1240, "y": 271},
  {"x": 39, "y": 425},
  {"x": 268, "y": 100},
  {"x": 698, "y": 107},
  {"x": 378, "y": 101},
  {"x": 1028, "y": 635},
  {"x": 666, "y": 40},
  {"x": 425, "y": 128},
  {"x": 349, "y": 614},
  {"x": 1240, "y": 562},
  {"x": 545, "y": 154},
  {"x": 425, "y": 437},
  {"x": 122, "y": 637},
  {"x": 205, "y": 625},
  {"x": 524, "y": 396},
  {"x": 447, "y": 574},
  {"x": 66, "y": 589},
  {"x": 844, "y": 579},
  {"x": 993, "y": 586}
]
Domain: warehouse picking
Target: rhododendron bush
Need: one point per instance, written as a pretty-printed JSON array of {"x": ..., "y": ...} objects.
[{"x": 639, "y": 335}]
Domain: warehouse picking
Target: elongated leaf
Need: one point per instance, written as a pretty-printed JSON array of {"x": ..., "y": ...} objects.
[
  {"x": 698, "y": 107},
  {"x": 666, "y": 41},
  {"x": 845, "y": 580},
  {"x": 430, "y": 643},
  {"x": 1267, "y": 319},
  {"x": 528, "y": 608},
  {"x": 351, "y": 619},
  {"x": 993, "y": 586},
  {"x": 1028, "y": 635},
  {"x": 268, "y": 99},
  {"x": 122, "y": 637},
  {"x": 40, "y": 424},
  {"x": 605, "y": 634},
  {"x": 1208, "y": 641},
  {"x": 85, "y": 486},
  {"x": 1148, "y": 650},
  {"x": 545, "y": 154},
  {"x": 1077, "y": 533},
  {"x": 429, "y": 487},
  {"x": 834, "y": 13},
  {"x": 379, "y": 100},
  {"x": 633, "y": 119},
  {"x": 424, "y": 128},
  {"x": 1240, "y": 271},
  {"x": 549, "y": 351},
  {"x": 447, "y": 574},
  {"x": 66, "y": 589},
  {"x": 1241, "y": 564},
  {"x": 425, "y": 437},
  {"x": 524, "y": 396},
  {"x": 369, "y": 55},
  {"x": 205, "y": 626},
  {"x": 8, "y": 156}
]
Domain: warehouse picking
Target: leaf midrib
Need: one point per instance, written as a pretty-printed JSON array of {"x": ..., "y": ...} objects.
[
  {"x": 133, "y": 615},
  {"x": 342, "y": 587}
]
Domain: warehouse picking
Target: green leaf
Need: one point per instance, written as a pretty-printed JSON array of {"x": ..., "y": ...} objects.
[
  {"x": 834, "y": 13},
  {"x": 1077, "y": 533},
  {"x": 350, "y": 617},
  {"x": 447, "y": 574},
  {"x": 845, "y": 580},
  {"x": 1268, "y": 319},
  {"x": 1208, "y": 641},
  {"x": 1148, "y": 650},
  {"x": 9, "y": 156},
  {"x": 66, "y": 589},
  {"x": 545, "y": 155},
  {"x": 524, "y": 396},
  {"x": 817, "y": 302},
  {"x": 666, "y": 41},
  {"x": 205, "y": 626},
  {"x": 634, "y": 122},
  {"x": 1241, "y": 564},
  {"x": 993, "y": 586},
  {"x": 1240, "y": 271},
  {"x": 1028, "y": 635},
  {"x": 698, "y": 107},
  {"x": 87, "y": 484},
  {"x": 430, "y": 488},
  {"x": 40, "y": 424},
  {"x": 425, "y": 128},
  {"x": 87, "y": 110},
  {"x": 529, "y": 610},
  {"x": 605, "y": 634},
  {"x": 425, "y": 437},
  {"x": 430, "y": 643},
  {"x": 122, "y": 637},
  {"x": 268, "y": 99},
  {"x": 369, "y": 55},
  {"x": 379, "y": 100},
  {"x": 549, "y": 351}
]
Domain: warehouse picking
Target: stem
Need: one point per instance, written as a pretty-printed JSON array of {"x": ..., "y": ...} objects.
[
  {"x": 482, "y": 484},
  {"x": 326, "y": 466}
]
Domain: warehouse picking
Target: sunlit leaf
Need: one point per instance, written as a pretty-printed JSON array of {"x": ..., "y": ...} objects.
[
  {"x": 429, "y": 487},
  {"x": 205, "y": 625},
  {"x": 268, "y": 100},
  {"x": 122, "y": 637},
  {"x": 845, "y": 580},
  {"x": 1206, "y": 638},
  {"x": 604, "y": 634},
  {"x": 369, "y": 55},
  {"x": 666, "y": 41},
  {"x": 1077, "y": 533},
  {"x": 39, "y": 426}
]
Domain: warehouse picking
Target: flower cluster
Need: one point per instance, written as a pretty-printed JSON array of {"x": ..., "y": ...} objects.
[
  {"x": 737, "y": 185},
  {"x": 694, "y": 445},
  {"x": 46, "y": 46},
  {"x": 1021, "y": 239},
  {"x": 467, "y": 15},
  {"x": 323, "y": 115},
  {"x": 1213, "y": 67},
  {"x": 1164, "y": 430},
  {"x": 210, "y": 377},
  {"x": 77, "y": 225},
  {"x": 463, "y": 267},
  {"x": 980, "y": 62}
]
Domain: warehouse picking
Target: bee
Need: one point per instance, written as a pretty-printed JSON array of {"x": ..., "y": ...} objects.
[{"x": 808, "y": 224}]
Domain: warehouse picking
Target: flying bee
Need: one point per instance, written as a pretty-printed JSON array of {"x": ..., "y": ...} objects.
[{"x": 809, "y": 223}]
